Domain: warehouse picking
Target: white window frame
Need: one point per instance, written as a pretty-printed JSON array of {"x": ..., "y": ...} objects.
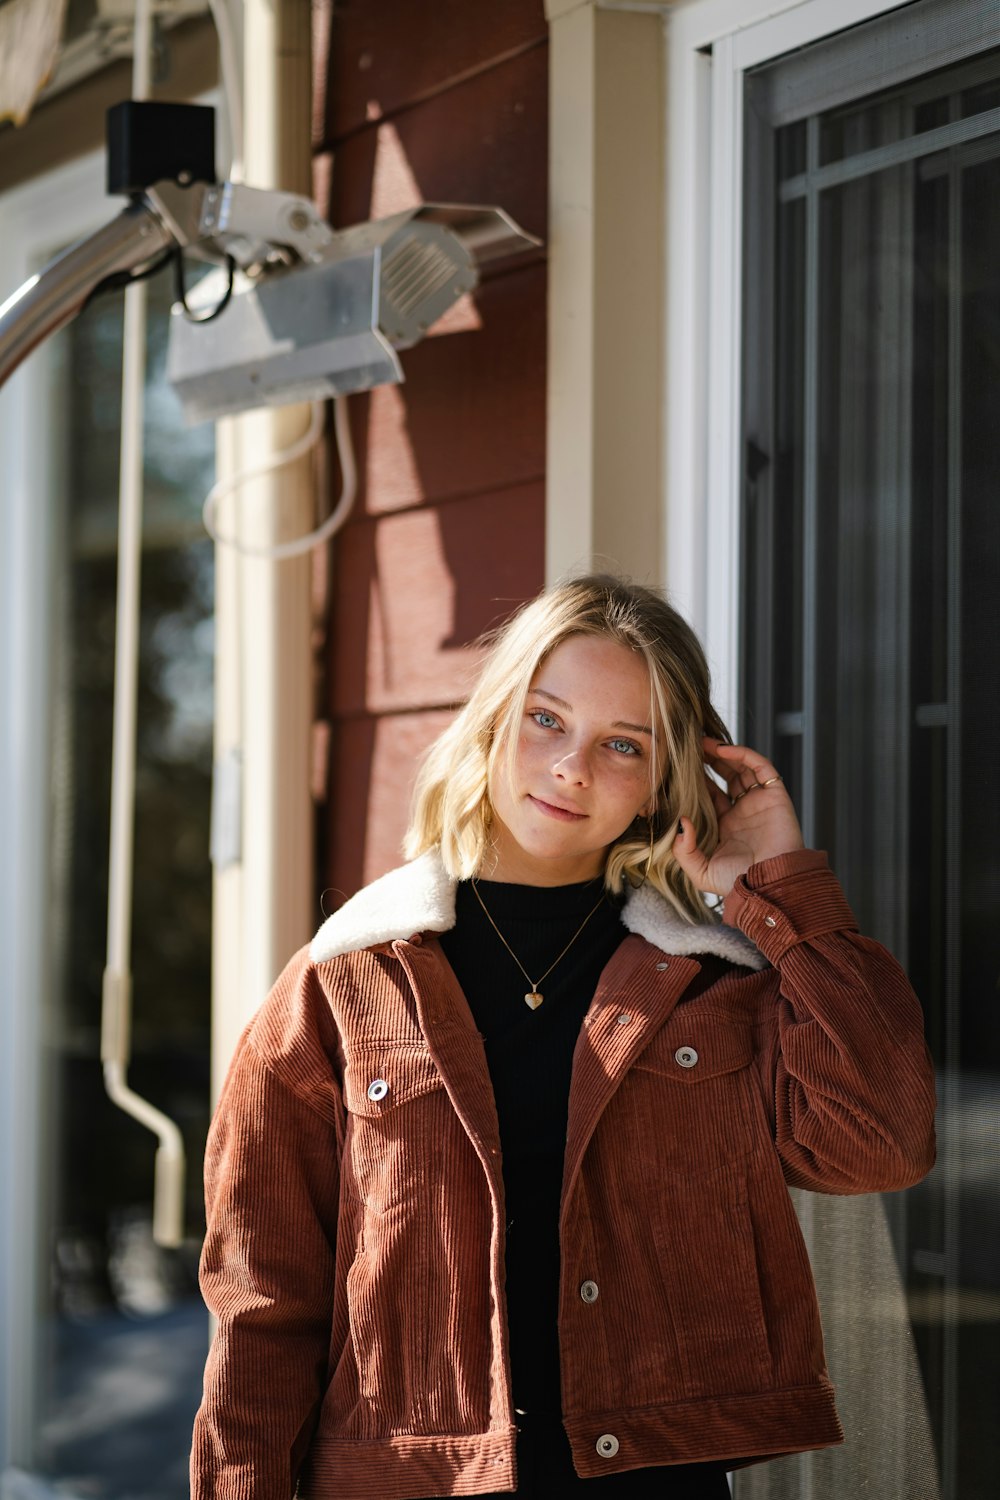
[
  {"x": 36, "y": 220},
  {"x": 710, "y": 45}
]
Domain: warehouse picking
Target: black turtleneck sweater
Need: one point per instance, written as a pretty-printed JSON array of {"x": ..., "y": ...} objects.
[{"x": 530, "y": 1059}]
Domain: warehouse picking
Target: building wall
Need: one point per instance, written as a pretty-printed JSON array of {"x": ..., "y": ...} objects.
[{"x": 431, "y": 102}]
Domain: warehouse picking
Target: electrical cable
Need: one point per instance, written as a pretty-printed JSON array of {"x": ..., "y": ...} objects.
[
  {"x": 297, "y": 546},
  {"x": 180, "y": 291},
  {"x": 119, "y": 279}
]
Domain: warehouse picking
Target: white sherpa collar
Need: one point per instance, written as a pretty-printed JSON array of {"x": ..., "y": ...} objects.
[
  {"x": 420, "y": 897},
  {"x": 650, "y": 915}
]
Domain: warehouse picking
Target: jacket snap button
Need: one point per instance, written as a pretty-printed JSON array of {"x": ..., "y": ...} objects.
[
  {"x": 590, "y": 1291},
  {"x": 377, "y": 1089},
  {"x": 661, "y": 967},
  {"x": 623, "y": 1019},
  {"x": 770, "y": 922},
  {"x": 607, "y": 1445},
  {"x": 686, "y": 1057}
]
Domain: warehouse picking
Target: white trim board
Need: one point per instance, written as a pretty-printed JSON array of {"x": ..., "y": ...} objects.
[
  {"x": 700, "y": 23},
  {"x": 605, "y": 245}
]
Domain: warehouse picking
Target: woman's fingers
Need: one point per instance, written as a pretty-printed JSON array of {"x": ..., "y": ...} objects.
[
  {"x": 687, "y": 854},
  {"x": 739, "y": 763},
  {"x": 753, "y": 826},
  {"x": 730, "y": 768},
  {"x": 720, "y": 800}
]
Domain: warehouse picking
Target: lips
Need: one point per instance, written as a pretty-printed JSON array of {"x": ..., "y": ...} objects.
[{"x": 561, "y": 814}]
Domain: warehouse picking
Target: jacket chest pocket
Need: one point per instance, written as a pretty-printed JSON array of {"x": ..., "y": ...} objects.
[
  {"x": 395, "y": 1100},
  {"x": 692, "y": 1093}
]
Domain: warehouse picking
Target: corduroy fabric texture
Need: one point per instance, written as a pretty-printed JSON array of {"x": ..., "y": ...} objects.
[{"x": 354, "y": 1254}]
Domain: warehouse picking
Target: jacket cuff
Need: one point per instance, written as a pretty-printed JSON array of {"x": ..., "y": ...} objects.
[{"x": 787, "y": 900}]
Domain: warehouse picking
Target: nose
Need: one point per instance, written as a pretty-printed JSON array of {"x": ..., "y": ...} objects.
[{"x": 573, "y": 768}]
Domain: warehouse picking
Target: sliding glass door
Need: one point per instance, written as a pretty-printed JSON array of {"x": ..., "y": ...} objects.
[{"x": 871, "y": 543}]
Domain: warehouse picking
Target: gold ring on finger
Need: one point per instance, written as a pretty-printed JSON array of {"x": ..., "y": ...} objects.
[
  {"x": 770, "y": 781},
  {"x": 752, "y": 788}
]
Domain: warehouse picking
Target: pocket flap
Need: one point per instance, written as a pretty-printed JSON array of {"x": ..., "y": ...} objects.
[
  {"x": 380, "y": 1079},
  {"x": 692, "y": 1049}
]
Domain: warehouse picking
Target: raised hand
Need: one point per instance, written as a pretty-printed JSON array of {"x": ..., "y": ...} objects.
[{"x": 756, "y": 819}]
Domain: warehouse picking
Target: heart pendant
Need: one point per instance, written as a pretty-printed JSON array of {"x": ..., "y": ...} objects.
[{"x": 534, "y": 999}]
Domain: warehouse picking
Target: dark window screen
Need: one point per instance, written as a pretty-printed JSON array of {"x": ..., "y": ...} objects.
[{"x": 871, "y": 540}]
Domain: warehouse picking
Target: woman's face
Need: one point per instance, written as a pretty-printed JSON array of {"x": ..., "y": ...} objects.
[{"x": 582, "y": 765}]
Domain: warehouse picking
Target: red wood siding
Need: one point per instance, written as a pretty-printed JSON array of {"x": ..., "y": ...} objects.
[{"x": 416, "y": 102}]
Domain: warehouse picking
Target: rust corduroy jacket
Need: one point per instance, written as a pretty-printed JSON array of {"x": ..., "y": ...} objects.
[{"x": 355, "y": 1247}]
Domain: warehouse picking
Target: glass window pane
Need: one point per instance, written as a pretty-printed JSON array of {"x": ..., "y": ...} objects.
[
  {"x": 791, "y": 151},
  {"x": 125, "y": 1332},
  {"x": 847, "y": 132},
  {"x": 976, "y": 1199}
]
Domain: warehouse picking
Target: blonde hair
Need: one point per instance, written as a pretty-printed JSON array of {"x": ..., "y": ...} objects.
[{"x": 451, "y": 801}]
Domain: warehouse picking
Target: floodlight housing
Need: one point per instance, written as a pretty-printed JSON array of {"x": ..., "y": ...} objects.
[{"x": 332, "y": 323}]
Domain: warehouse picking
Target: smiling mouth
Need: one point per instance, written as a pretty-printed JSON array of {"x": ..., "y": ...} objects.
[{"x": 564, "y": 814}]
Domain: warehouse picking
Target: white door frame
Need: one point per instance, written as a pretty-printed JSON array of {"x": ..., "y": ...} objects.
[{"x": 710, "y": 45}]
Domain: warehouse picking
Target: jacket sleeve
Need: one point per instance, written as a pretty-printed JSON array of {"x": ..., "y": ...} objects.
[
  {"x": 267, "y": 1268},
  {"x": 843, "y": 1055}
]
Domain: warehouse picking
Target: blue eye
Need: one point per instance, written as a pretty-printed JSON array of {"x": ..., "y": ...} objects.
[
  {"x": 624, "y": 747},
  {"x": 544, "y": 719}
]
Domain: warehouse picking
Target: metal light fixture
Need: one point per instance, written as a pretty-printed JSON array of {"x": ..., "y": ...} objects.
[
  {"x": 295, "y": 311},
  {"x": 332, "y": 322}
]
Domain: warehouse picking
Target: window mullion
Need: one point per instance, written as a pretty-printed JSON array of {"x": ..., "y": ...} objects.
[
  {"x": 950, "y": 1081},
  {"x": 810, "y": 526}
]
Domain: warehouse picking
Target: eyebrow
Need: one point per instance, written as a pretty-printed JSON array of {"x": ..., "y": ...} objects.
[{"x": 618, "y": 723}]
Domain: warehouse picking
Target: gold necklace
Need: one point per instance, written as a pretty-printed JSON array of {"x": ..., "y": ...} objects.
[{"x": 534, "y": 998}]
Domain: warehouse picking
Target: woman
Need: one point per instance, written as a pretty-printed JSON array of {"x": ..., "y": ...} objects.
[{"x": 497, "y": 1182}]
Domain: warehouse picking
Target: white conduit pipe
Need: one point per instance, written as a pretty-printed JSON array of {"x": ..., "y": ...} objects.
[
  {"x": 168, "y": 1199},
  {"x": 231, "y": 68}
]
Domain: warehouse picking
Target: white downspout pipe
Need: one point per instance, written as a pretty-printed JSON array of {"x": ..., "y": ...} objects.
[
  {"x": 262, "y": 814},
  {"x": 117, "y": 984}
]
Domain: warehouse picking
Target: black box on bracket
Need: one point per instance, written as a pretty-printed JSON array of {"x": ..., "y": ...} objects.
[{"x": 153, "y": 142}]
